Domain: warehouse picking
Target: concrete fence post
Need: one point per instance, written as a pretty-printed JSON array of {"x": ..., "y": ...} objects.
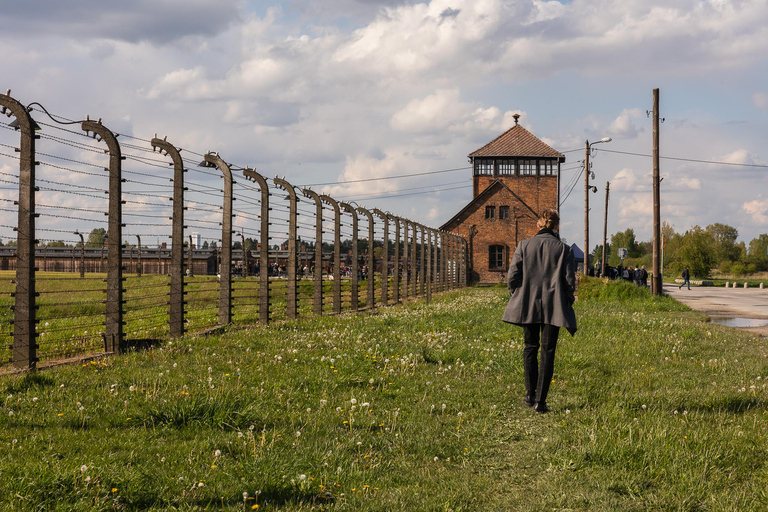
[
  {"x": 190, "y": 267},
  {"x": 82, "y": 254},
  {"x": 371, "y": 302},
  {"x": 384, "y": 257},
  {"x": 428, "y": 274},
  {"x": 257, "y": 178},
  {"x": 318, "y": 277},
  {"x": 24, "y": 350},
  {"x": 291, "y": 295},
  {"x": 414, "y": 261},
  {"x": 114, "y": 303},
  {"x": 336, "y": 252},
  {"x": 354, "y": 292},
  {"x": 396, "y": 262},
  {"x": 176, "y": 298},
  {"x": 138, "y": 267},
  {"x": 406, "y": 263},
  {"x": 423, "y": 261},
  {"x": 225, "y": 273}
]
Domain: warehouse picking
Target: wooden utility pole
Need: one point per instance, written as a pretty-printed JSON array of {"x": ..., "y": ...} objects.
[
  {"x": 656, "y": 279},
  {"x": 605, "y": 227},
  {"x": 586, "y": 207}
]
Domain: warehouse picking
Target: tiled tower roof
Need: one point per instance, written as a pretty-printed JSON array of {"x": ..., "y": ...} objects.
[{"x": 517, "y": 141}]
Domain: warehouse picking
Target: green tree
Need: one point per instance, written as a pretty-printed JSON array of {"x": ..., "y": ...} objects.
[
  {"x": 724, "y": 240},
  {"x": 96, "y": 238},
  {"x": 698, "y": 252},
  {"x": 623, "y": 240},
  {"x": 758, "y": 252}
]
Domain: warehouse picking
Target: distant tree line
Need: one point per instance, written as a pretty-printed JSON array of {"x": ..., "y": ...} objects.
[{"x": 702, "y": 249}]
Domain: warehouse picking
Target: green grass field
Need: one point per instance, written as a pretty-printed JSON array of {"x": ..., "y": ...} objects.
[{"x": 414, "y": 407}]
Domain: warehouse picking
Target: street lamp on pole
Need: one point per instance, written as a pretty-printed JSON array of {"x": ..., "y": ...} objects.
[{"x": 587, "y": 187}]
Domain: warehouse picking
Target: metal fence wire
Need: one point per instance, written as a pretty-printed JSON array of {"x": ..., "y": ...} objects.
[{"x": 170, "y": 241}]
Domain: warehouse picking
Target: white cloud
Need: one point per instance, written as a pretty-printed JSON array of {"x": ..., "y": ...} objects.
[
  {"x": 739, "y": 156},
  {"x": 623, "y": 126},
  {"x": 758, "y": 210},
  {"x": 624, "y": 180},
  {"x": 445, "y": 111}
]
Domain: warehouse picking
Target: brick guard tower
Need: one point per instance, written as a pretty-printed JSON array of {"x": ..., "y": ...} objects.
[{"x": 514, "y": 177}]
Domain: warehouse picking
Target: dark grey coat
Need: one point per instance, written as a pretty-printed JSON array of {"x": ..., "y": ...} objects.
[{"x": 541, "y": 282}]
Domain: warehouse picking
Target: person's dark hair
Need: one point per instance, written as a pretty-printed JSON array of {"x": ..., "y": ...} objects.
[{"x": 548, "y": 219}]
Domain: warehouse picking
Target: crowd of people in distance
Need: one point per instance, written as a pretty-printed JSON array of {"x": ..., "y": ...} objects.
[{"x": 637, "y": 275}]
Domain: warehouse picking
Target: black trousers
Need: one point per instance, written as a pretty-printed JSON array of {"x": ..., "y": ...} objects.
[{"x": 539, "y": 377}]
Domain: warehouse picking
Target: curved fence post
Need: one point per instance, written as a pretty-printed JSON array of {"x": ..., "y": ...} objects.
[
  {"x": 443, "y": 264},
  {"x": 422, "y": 262},
  {"x": 464, "y": 265},
  {"x": 114, "y": 304},
  {"x": 252, "y": 175},
  {"x": 354, "y": 292},
  {"x": 138, "y": 267},
  {"x": 454, "y": 260},
  {"x": 406, "y": 266},
  {"x": 414, "y": 261},
  {"x": 396, "y": 261},
  {"x": 24, "y": 314},
  {"x": 291, "y": 296},
  {"x": 176, "y": 299},
  {"x": 82, "y": 254},
  {"x": 190, "y": 267},
  {"x": 318, "y": 277},
  {"x": 225, "y": 273},
  {"x": 436, "y": 262},
  {"x": 384, "y": 257},
  {"x": 428, "y": 274},
  {"x": 371, "y": 302},
  {"x": 336, "y": 252}
]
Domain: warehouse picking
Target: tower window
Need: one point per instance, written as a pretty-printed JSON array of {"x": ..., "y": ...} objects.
[
  {"x": 506, "y": 167},
  {"x": 497, "y": 257},
  {"x": 490, "y": 212},
  {"x": 547, "y": 168},
  {"x": 503, "y": 212},
  {"x": 483, "y": 167},
  {"x": 527, "y": 167}
]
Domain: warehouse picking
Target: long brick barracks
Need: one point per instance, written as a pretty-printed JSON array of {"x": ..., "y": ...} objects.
[{"x": 515, "y": 176}]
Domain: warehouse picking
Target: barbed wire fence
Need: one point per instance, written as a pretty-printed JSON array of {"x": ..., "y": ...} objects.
[{"x": 160, "y": 248}]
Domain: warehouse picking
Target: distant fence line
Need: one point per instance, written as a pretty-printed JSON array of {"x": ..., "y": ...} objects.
[{"x": 415, "y": 262}]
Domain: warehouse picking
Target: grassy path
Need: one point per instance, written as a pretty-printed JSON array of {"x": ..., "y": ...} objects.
[{"x": 418, "y": 407}]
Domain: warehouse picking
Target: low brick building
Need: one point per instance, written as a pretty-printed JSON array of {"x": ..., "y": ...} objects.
[{"x": 515, "y": 176}]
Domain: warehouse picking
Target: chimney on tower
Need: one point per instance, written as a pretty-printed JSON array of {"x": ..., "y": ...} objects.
[{"x": 516, "y": 117}]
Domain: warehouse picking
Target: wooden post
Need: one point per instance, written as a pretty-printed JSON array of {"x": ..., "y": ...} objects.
[
  {"x": 605, "y": 227},
  {"x": 656, "y": 279}
]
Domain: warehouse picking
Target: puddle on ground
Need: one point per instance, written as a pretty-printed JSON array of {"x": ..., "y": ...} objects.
[{"x": 741, "y": 322}]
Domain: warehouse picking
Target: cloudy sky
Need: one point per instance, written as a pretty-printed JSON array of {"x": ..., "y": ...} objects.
[{"x": 344, "y": 90}]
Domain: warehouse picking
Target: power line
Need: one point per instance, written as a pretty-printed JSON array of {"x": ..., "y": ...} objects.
[
  {"x": 386, "y": 177},
  {"x": 685, "y": 159},
  {"x": 413, "y": 193}
]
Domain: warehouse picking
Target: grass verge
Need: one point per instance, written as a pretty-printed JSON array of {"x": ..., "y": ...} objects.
[{"x": 416, "y": 407}]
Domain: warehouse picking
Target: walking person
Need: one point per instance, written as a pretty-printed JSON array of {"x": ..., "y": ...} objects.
[
  {"x": 686, "y": 278},
  {"x": 541, "y": 282}
]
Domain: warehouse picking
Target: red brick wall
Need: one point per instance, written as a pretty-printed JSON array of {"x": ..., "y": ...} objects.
[{"x": 538, "y": 192}]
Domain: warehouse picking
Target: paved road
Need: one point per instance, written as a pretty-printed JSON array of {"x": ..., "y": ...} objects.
[{"x": 724, "y": 302}]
